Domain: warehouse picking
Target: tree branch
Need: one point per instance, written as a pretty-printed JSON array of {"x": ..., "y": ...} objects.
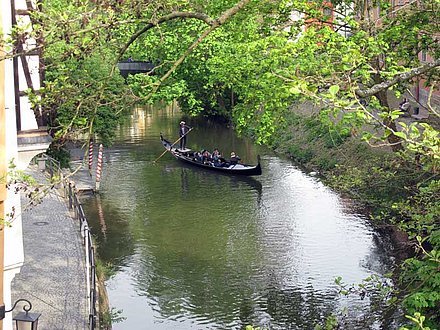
[
  {"x": 166, "y": 18},
  {"x": 398, "y": 78},
  {"x": 215, "y": 24}
]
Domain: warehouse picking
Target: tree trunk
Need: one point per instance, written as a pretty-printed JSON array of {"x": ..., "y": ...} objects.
[{"x": 395, "y": 141}]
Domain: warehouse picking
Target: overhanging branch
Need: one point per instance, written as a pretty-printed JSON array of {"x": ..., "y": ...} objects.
[
  {"x": 166, "y": 18},
  {"x": 214, "y": 25},
  {"x": 397, "y": 79}
]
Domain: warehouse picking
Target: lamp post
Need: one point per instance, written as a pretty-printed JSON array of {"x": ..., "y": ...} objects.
[{"x": 24, "y": 320}]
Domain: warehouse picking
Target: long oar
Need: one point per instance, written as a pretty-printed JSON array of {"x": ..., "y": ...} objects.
[{"x": 173, "y": 145}]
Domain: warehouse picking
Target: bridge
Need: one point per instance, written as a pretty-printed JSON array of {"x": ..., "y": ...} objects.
[{"x": 133, "y": 67}]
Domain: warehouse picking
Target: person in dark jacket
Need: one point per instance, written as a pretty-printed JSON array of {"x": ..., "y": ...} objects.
[
  {"x": 234, "y": 160},
  {"x": 183, "y": 131}
]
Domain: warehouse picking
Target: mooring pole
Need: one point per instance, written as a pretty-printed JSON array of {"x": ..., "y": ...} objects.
[
  {"x": 90, "y": 156},
  {"x": 98, "y": 167}
]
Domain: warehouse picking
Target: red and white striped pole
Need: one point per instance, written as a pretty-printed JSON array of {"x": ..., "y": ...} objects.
[
  {"x": 90, "y": 156},
  {"x": 98, "y": 167}
]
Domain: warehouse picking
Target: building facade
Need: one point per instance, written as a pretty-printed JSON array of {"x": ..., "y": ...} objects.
[{"x": 24, "y": 138}]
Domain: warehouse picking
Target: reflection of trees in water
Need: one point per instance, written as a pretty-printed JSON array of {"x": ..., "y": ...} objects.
[
  {"x": 199, "y": 276},
  {"x": 116, "y": 243},
  {"x": 230, "y": 298},
  {"x": 195, "y": 259},
  {"x": 304, "y": 308},
  {"x": 251, "y": 182},
  {"x": 218, "y": 179},
  {"x": 183, "y": 284},
  {"x": 184, "y": 181},
  {"x": 194, "y": 267},
  {"x": 298, "y": 308}
]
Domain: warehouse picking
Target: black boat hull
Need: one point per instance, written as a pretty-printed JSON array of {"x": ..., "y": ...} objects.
[{"x": 185, "y": 156}]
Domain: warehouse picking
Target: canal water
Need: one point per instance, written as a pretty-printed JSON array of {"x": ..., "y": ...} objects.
[{"x": 193, "y": 249}]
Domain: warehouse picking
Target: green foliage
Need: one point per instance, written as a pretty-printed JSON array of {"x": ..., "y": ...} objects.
[
  {"x": 312, "y": 141},
  {"x": 422, "y": 279},
  {"x": 82, "y": 93},
  {"x": 86, "y": 96},
  {"x": 19, "y": 182},
  {"x": 322, "y": 128},
  {"x": 59, "y": 153},
  {"x": 250, "y": 327},
  {"x": 423, "y": 145},
  {"x": 419, "y": 213},
  {"x": 104, "y": 271},
  {"x": 112, "y": 316},
  {"x": 331, "y": 323},
  {"x": 379, "y": 290},
  {"x": 418, "y": 321},
  {"x": 326, "y": 163},
  {"x": 398, "y": 192},
  {"x": 414, "y": 208},
  {"x": 300, "y": 154}
]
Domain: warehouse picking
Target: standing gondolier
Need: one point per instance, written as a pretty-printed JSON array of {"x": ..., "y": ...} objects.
[{"x": 183, "y": 131}]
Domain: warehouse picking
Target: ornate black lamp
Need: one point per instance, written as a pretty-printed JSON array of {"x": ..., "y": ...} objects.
[{"x": 25, "y": 320}]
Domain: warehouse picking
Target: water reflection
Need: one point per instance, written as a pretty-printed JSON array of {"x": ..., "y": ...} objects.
[
  {"x": 203, "y": 250},
  {"x": 216, "y": 179},
  {"x": 111, "y": 229}
]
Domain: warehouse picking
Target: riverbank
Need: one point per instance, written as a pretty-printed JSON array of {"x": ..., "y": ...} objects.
[{"x": 400, "y": 198}]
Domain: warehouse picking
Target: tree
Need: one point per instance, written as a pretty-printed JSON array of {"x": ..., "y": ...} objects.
[
  {"x": 259, "y": 70},
  {"x": 81, "y": 44}
]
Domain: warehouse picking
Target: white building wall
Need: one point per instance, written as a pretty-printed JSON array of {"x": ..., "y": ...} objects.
[
  {"x": 27, "y": 116},
  {"x": 13, "y": 243}
]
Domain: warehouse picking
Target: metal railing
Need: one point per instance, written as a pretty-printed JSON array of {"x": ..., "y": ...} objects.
[
  {"x": 49, "y": 164},
  {"x": 89, "y": 250},
  {"x": 53, "y": 167}
]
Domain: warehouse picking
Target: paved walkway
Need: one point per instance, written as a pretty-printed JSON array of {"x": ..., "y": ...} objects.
[{"x": 53, "y": 276}]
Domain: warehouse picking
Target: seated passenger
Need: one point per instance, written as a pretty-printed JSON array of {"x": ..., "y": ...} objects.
[
  {"x": 206, "y": 157},
  {"x": 234, "y": 159},
  {"x": 215, "y": 153},
  {"x": 217, "y": 158},
  {"x": 197, "y": 156}
]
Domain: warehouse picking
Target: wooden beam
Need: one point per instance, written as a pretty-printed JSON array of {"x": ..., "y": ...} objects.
[
  {"x": 15, "y": 70},
  {"x": 26, "y": 71},
  {"x": 23, "y": 93},
  {"x": 22, "y": 12}
]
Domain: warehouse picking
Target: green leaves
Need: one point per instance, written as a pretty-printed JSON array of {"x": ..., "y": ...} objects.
[
  {"x": 333, "y": 90},
  {"x": 418, "y": 319}
]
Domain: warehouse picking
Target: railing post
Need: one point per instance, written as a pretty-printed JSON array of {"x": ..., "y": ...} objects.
[
  {"x": 74, "y": 201},
  {"x": 70, "y": 195},
  {"x": 50, "y": 167},
  {"x": 87, "y": 248}
]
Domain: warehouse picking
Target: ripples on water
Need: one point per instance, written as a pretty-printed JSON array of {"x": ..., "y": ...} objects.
[{"x": 193, "y": 249}]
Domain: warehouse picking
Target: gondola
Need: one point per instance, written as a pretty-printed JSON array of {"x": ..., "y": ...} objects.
[{"x": 187, "y": 156}]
